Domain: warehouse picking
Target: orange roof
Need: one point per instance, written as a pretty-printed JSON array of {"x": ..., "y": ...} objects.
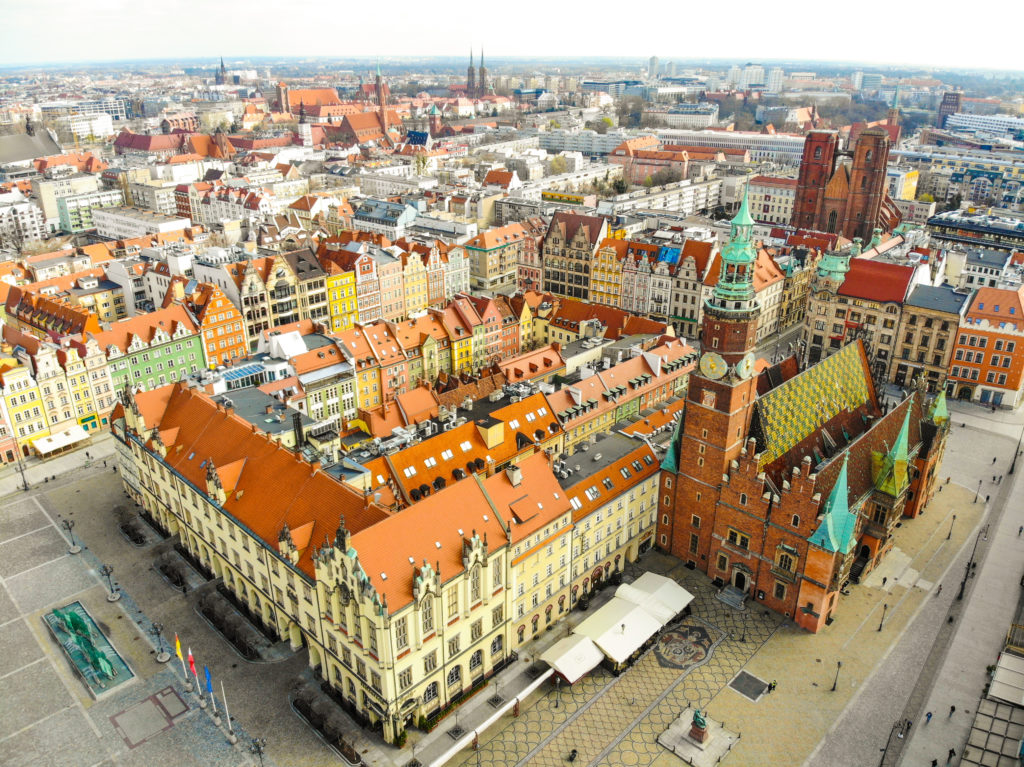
[
  {"x": 271, "y": 486},
  {"x": 998, "y": 305},
  {"x": 497, "y": 237},
  {"x": 145, "y": 326},
  {"x": 656, "y": 420},
  {"x": 528, "y": 365},
  {"x": 535, "y": 502},
  {"x": 612, "y": 474}
]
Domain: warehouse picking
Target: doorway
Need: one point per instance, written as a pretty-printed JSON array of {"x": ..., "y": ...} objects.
[{"x": 739, "y": 580}]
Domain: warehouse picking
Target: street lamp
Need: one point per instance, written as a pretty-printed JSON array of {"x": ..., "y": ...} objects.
[
  {"x": 106, "y": 571},
  {"x": 162, "y": 656},
  {"x": 259, "y": 748},
  {"x": 839, "y": 665},
  {"x": 558, "y": 685},
  {"x": 977, "y": 492},
  {"x": 950, "y": 533},
  {"x": 68, "y": 524},
  {"x": 1013, "y": 463},
  {"x": 967, "y": 569},
  {"x": 884, "y": 608}
]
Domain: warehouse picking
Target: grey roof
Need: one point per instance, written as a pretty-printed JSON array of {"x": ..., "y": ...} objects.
[
  {"x": 939, "y": 299},
  {"x": 251, "y": 404},
  {"x": 606, "y": 449},
  {"x": 19, "y": 147},
  {"x": 993, "y": 258}
]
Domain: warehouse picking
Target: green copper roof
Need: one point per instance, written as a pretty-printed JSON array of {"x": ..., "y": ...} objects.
[
  {"x": 890, "y": 472},
  {"x": 742, "y": 217},
  {"x": 940, "y": 413},
  {"x": 835, "y": 533},
  {"x": 834, "y": 265},
  {"x": 671, "y": 460}
]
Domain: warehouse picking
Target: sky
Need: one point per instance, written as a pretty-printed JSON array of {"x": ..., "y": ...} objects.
[{"x": 872, "y": 31}]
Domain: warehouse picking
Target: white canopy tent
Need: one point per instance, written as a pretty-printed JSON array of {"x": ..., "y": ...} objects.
[
  {"x": 573, "y": 657},
  {"x": 62, "y": 440},
  {"x": 1008, "y": 680},
  {"x": 619, "y": 628},
  {"x": 660, "y": 596}
]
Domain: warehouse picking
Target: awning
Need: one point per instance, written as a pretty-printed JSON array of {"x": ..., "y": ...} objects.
[
  {"x": 573, "y": 657},
  {"x": 60, "y": 440},
  {"x": 619, "y": 628},
  {"x": 1008, "y": 680},
  {"x": 662, "y": 597}
]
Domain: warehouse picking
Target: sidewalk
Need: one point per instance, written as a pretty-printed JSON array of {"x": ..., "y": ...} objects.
[{"x": 100, "y": 447}]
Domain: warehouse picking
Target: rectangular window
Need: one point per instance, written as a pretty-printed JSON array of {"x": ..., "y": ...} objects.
[
  {"x": 401, "y": 633},
  {"x": 453, "y": 602},
  {"x": 497, "y": 616},
  {"x": 736, "y": 538},
  {"x": 453, "y": 647},
  {"x": 694, "y": 542},
  {"x": 430, "y": 662},
  {"x": 723, "y": 562},
  {"x": 476, "y": 630},
  {"x": 405, "y": 679}
]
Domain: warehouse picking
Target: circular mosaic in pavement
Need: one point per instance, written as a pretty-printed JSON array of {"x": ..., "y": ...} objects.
[{"x": 683, "y": 648}]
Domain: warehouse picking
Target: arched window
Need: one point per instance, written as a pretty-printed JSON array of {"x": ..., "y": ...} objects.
[
  {"x": 474, "y": 584},
  {"x": 521, "y": 631},
  {"x": 817, "y": 153},
  {"x": 430, "y": 693},
  {"x": 796, "y": 520},
  {"x": 455, "y": 675},
  {"x": 427, "y": 613},
  {"x": 743, "y": 499},
  {"x": 832, "y": 217},
  {"x": 868, "y": 155},
  {"x": 476, "y": 660},
  {"x": 863, "y": 182}
]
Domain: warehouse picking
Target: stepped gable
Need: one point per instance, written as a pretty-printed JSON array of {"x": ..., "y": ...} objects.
[{"x": 270, "y": 487}]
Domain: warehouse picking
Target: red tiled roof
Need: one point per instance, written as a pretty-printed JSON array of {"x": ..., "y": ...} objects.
[{"x": 877, "y": 280}]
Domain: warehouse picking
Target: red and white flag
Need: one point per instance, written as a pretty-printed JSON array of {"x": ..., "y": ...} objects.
[{"x": 191, "y": 661}]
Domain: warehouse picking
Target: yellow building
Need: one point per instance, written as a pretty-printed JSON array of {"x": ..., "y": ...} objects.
[
  {"x": 606, "y": 278},
  {"x": 414, "y": 282},
  {"x": 22, "y": 401},
  {"x": 341, "y": 297}
]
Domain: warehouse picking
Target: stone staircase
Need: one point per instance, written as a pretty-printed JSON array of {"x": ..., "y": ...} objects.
[{"x": 733, "y": 597}]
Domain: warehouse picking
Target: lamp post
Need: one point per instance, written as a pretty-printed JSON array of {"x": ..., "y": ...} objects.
[
  {"x": 1016, "y": 452},
  {"x": 839, "y": 665},
  {"x": 68, "y": 524},
  {"x": 162, "y": 656},
  {"x": 259, "y": 748},
  {"x": 21, "y": 469},
  {"x": 558, "y": 685},
  {"x": 977, "y": 492},
  {"x": 967, "y": 569},
  {"x": 950, "y": 533},
  {"x": 881, "y": 622},
  {"x": 115, "y": 594}
]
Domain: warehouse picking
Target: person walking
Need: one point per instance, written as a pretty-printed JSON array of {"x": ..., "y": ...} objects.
[
  {"x": 936, "y": 594},
  {"x": 993, "y": 463},
  {"x": 772, "y": 685},
  {"x": 952, "y": 710},
  {"x": 1020, "y": 530},
  {"x": 952, "y": 753},
  {"x": 909, "y": 723},
  {"x": 928, "y": 717}
]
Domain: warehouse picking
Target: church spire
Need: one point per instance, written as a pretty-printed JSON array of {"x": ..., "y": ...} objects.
[{"x": 838, "y": 525}]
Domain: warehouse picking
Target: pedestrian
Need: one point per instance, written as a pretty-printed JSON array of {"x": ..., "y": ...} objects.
[
  {"x": 1020, "y": 530},
  {"x": 909, "y": 723},
  {"x": 884, "y": 581},
  {"x": 952, "y": 710},
  {"x": 1000, "y": 480},
  {"x": 952, "y": 753},
  {"x": 993, "y": 461},
  {"x": 928, "y": 717},
  {"x": 936, "y": 594},
  {"x": 572, "y": 755},
  {"x": 935, "y": 763},
  {"x": 993, "y": 479},
  {"x": 987, "y": 497},
  {"x": 772, "y": 686}
]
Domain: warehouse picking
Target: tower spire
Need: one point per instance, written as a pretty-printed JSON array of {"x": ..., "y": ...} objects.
[{"x": 735, "y": 288}]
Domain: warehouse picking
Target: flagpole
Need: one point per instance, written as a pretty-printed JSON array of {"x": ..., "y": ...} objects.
[
  {"x": 232, "y": 738},
  {"x": 209, "y": 689},
  {"x": 199, "y": 691},
  {"x": 177, "y": 651}
]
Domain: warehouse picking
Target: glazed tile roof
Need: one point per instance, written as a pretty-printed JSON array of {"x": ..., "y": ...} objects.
[{"x": 796, "y": 409}]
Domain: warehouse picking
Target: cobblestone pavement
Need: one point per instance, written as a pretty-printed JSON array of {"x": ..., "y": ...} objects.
[{"x": 47, "y": 716}]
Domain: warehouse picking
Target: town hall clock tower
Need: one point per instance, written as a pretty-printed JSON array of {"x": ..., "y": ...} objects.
[{"x": 719, "y": 403}]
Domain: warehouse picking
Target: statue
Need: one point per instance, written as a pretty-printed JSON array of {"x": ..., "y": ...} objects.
[{"x": 698, "y": 719}]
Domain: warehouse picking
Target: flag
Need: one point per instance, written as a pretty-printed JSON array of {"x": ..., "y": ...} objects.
[
  {"x": 209, "y": 683},
  {"x": 177, "y": 647},
  {"x": 191, "y": 661}
]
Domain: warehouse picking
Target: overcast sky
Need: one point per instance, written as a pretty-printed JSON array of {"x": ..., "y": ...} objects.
[{"x": 880, "y": 31}]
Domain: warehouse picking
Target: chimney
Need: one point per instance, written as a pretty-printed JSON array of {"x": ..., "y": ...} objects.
[
  {"x": 515, "y": 475},
  {"x": 297, "y": 429}
]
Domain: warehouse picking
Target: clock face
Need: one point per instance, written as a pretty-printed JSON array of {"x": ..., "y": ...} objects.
[
  {"x": 745, "y": 367},
  {"x": 712, "y": 365}
]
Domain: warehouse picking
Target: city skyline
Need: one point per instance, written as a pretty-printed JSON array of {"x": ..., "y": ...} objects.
[{"x": 141, "y": 34}]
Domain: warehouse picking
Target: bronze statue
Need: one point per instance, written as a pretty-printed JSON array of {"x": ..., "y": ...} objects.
[{"x": 698, "y": 719}]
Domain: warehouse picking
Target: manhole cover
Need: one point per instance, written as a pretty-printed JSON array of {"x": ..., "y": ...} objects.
[{"x": 748, "y": 685}]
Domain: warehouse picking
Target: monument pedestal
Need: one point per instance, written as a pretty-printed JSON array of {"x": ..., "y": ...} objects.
[{"x": 699, "y": 746}]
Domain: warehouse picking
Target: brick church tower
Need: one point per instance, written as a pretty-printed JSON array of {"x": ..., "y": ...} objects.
[
  {"x": 816, "y": 168},
  {"x": 719, "y": 402},
  {"x": 835, "y": 194},
  {"x": 867, "y": 184}
]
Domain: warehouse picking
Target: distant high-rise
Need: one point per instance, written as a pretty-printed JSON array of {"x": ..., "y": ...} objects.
[
  {"x": 950, "y": 106},
  {"x": 774, "y": 83},
  {"x": 652, "y": 67}
]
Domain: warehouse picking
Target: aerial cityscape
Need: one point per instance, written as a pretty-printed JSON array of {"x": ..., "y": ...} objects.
[{"x": 456, "y": 401}]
